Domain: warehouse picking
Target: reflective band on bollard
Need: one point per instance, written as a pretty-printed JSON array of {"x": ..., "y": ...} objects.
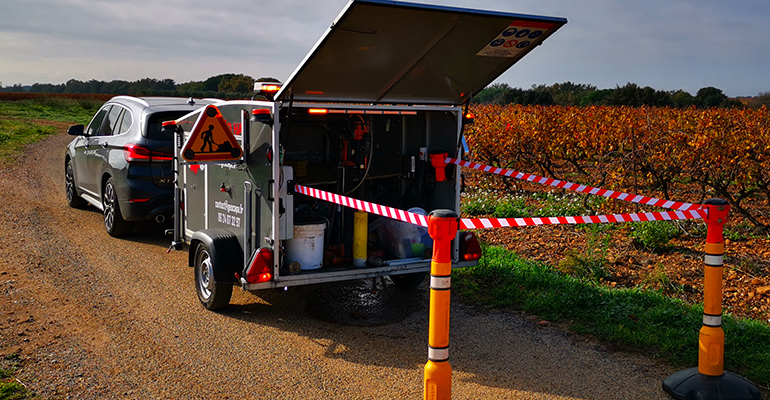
[
  {"x": 712, "y": 260},
  {"x": 712, "y": 320},
  {"x": 438, "y": 354},
  {"x": 440, "y": 282}
]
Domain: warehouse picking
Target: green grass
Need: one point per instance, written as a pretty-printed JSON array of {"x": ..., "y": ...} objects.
[
  {"x": 536, "y": 204},
  {"x": 17, "y": 130},
  {"x": 15, "y": 134},
  {"x": 10, "y": 389},
  {"x": 643, "y": 319},
  {"x": 76, "y": 111}
]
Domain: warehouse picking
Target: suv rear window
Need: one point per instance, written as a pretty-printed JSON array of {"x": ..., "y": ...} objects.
[{"x": 154, "y": 124}]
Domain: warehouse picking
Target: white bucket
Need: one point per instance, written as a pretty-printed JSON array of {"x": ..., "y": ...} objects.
[{"x": 307, "y": 246}]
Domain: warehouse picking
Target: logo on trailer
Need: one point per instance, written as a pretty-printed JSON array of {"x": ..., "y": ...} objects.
[{"x": 211, "y": 139}]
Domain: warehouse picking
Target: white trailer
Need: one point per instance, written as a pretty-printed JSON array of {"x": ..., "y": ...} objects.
[{"x": 382, "y": 90}]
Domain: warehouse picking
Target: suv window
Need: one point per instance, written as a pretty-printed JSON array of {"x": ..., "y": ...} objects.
[
  {"x": 110, "y": 124},
  {"x": 125, "y": 122},
  {"x": 154, "y": 124},
  {"x": 94, "y": 128}
]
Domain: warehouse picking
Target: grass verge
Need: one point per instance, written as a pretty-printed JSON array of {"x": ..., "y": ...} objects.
[
  {"x": 60, "y": 109},
  {"x": 643, "y": 319},
  {"x": 10, "y": 388},
  {"x": 16, "y": 130},
  {"x": 15, "y": 134}
]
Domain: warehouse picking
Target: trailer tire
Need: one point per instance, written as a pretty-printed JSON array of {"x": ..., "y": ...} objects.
[
  {"x": 408, "y": 281},
  {"x": 114, "y": 223},
  {"x": 212, "y": 294}
]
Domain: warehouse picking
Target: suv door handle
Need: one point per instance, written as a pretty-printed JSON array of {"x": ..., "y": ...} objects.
[{"x": 105, "y": 145}]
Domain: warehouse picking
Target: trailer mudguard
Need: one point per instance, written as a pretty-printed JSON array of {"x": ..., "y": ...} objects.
[{"x": 225, "y": 250}]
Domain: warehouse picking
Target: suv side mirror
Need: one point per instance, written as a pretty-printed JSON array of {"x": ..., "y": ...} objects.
[{"x": 76, "y": 130}]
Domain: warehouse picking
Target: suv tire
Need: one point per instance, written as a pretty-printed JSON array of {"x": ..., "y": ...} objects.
[
  {"x": 73, "y": 200},
  {"x": 114, "y": 223}
]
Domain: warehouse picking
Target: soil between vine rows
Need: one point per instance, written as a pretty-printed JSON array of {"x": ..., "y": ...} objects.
[{"x": 676, "y": 270}]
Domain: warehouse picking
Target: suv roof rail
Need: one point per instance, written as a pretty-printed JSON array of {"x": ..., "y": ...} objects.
[{"x": 132, "y": 98}]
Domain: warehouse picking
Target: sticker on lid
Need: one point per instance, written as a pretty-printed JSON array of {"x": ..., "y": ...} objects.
[{"x": 517, "y": 37}]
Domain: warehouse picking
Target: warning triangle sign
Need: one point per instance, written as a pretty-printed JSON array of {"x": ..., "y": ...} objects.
[{"x": 211, "y": 139}]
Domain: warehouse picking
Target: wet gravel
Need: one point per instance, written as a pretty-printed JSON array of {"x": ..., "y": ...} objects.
[{"x": 95, "y": 317}]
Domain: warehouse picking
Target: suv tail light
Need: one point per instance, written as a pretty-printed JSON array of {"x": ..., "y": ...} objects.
[
  {"x": 135, "y": 152},
  {"x": 260, "y": 269},
  {"x": 470, "y": 249}
]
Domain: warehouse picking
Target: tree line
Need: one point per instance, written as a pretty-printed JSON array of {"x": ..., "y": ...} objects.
[
  {"x": 230, "y": 86},
  {"x": 631, "y": 94},
  {"x": 220, "y": 86}
]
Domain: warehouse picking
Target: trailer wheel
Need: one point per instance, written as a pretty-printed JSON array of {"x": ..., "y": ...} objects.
[
  {"x": 408, "y": 281},
  {"x": 212, "y": 294},
  {"x": 73, "y": 200},
  {"x": 114, "y": 223}
]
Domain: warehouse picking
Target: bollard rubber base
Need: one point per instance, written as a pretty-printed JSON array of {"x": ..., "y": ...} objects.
[{"x": 692, "y": 385}]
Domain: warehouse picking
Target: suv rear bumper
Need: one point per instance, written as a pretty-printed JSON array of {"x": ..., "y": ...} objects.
[
  {"x": 143, "y": 200},
  {"x": 153, "y": 209}
]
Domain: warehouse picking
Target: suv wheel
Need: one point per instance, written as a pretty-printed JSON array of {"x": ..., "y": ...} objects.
[
  {"x": 113, "y": 220},
  {"x": 73, "y": 199}
]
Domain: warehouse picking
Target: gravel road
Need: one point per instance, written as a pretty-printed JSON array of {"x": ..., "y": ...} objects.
[{"x": 94, "y": 317}]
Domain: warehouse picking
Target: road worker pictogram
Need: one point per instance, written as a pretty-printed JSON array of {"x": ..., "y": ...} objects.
[{"x": 211, "y": 139}]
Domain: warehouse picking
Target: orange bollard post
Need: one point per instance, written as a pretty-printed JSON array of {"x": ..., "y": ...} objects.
[
  {"x": 711, "y": 339},
  {"x": 442, "y": 227},
  {"x": 709, "y": 380}
]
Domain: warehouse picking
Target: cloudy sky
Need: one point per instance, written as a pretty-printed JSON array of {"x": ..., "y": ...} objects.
[{"x": 666, "y": 44}]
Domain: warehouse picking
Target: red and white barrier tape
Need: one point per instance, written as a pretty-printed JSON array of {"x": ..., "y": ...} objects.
[
  {"x": 651, "y": 201},
  {"x": 394, "y": 213},
  {"x": 484, "y": 223}
]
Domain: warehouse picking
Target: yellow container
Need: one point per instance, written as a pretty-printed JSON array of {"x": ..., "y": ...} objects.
[{"x": 360, "y": 230}]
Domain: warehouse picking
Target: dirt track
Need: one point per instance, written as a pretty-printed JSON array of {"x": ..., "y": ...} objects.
[{"x": 96, "y": 317}]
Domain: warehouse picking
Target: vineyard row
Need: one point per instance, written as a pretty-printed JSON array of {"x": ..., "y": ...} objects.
[{"x": 676, "y": 154}]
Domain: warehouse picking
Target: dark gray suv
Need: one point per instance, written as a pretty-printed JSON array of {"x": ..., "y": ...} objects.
[{"x": 122, "y": 162}]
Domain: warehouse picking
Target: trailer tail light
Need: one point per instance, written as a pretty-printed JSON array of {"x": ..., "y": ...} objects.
[
  {"x": 260, "y": 269},
  {"x": 470, "y": 249},
  {"x": 261, "y": 115},
  {"x": 135, "y": 152},
  {"x": 469, "y": 119},
  {"x": 317, "y": 111}
]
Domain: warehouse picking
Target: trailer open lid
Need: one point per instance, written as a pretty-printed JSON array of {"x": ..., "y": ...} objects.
[{"x": 379, "y": 51}]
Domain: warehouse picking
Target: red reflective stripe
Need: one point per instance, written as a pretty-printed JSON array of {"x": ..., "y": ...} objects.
[
  {"x": 483, "y": 223},
  {"x": 571, "y": 186}
]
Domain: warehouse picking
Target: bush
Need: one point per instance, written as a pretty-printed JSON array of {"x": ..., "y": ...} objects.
[
  {"x": 653, "y": 235},
  {"x": 512, "y": 208}
]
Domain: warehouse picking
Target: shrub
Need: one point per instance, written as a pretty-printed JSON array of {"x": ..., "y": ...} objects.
[
  {"x": 653, "y": 235},
  {"x": 512, "y": 208}
]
